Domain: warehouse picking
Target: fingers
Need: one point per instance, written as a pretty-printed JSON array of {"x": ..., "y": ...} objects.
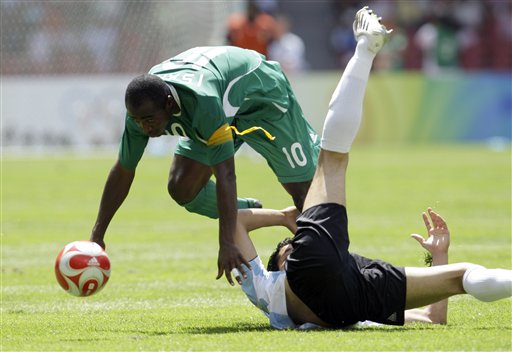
[
  {"x": 219, "y": 273},
  {"x": 246, "y": 263},
  {"x": 418, "y": 238},
  {"x": 100, "y": 242},
  {"x": 236, "y": 274},
  {"x": 228, "y": 277},
  {"x": 222, "y": 270},
  {"x": 426, "y": 221},
  {"x": 437, "y": 219},
  {"x": 238, "y": 271}
]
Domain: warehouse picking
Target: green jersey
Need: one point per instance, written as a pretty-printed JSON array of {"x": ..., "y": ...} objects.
[{"x": 214, "y": 87}]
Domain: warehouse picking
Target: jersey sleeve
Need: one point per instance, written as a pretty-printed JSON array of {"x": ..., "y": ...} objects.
[
  {"x": 266, "y": 291},
  {"x": 132, "y": 146},
  {"x": 213, "y": 129},
  {"x": 220, "y": 153}
]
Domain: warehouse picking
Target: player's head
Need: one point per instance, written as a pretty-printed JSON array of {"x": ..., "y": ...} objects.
[
  {"x": 145, "y": 88},
  {"x": 278, "y": 257},
  {"x": 148, "y": 101}
]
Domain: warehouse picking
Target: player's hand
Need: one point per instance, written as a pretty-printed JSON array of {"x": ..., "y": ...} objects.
[
  {"x": 229, "y": 259},
  {"x": 438, "y": 239},
  {"x": 99, "y": 241}
]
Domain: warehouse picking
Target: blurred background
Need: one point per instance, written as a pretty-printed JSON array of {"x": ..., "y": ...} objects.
[{"x": 445, "y": 76}]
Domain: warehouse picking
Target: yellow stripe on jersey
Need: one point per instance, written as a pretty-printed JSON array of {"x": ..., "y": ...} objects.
[
  {"x": 221, "y": 135},
  {"x": 252, "y": 129}
]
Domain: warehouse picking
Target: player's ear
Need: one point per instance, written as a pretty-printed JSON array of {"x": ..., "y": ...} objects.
[{"x": 169, "y": 102}]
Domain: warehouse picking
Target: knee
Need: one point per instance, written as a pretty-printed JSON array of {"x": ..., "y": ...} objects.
[
  {"x": 298, "y": 191},
  {"x": 462, "y": 269},
  {"x": 466, "y": 266},
  {"x": 298, "y": 201},
  {"x": 179, "y": 192}
]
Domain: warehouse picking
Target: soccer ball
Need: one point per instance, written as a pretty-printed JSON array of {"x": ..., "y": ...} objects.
[{"x": 82, "y": 268}]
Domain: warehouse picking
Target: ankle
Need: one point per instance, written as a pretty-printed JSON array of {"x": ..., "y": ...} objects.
[{"x": 362, "y": 49}]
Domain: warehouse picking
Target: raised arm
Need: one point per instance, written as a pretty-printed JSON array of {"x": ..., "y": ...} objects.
[
  {"x": 252, "y": 219},
  {"x": 116, "y": 189},
  {"x": 437, "y": 244}
]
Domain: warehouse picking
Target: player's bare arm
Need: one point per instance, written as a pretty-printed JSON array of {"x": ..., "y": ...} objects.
[
  {"x": 252, "y": 219},
  {"x": 116, "y": 189},
  {"x": 437, "y": 244},
  {"x": 229, "y": 254}
]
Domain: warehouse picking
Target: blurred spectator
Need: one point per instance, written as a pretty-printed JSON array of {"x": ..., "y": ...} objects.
[
  {"x": 49, "y": 40},
  {"x": 495, "y": 35},
  {"x": 60, "y": 37},
  {"x": 101, "y": 35},
  {"x": 253, "y": 30},
  {"x": 342, "y": 38},
  {"x": 267, "y": 6},
  {"x": 287, "y": 48},
  {"x": 434, "y": 35},
  {"x": 437, "y": 39},
  {"x": 391, "y": 57}
]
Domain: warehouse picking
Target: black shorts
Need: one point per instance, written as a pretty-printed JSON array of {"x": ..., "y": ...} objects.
[{"x": 342, "y": 288}]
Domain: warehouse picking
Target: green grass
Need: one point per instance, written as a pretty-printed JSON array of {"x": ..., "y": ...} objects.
[{"x": 163, "y": 295}]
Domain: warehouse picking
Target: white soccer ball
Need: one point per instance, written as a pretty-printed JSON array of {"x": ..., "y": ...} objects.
[{"x": 82, "y": 268}]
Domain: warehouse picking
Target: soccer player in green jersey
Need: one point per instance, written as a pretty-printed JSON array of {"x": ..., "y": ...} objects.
[{"x": 215, "y": 99}]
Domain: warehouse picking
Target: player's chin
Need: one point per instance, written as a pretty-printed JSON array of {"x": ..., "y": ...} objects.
[{"x": 156, "y": 134}]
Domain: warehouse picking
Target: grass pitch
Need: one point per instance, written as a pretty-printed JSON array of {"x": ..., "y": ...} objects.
[{"x": 163, "y": 295}]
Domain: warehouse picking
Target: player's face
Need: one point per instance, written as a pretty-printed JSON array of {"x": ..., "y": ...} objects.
[
  {"x": 283, "y": 255},
  {"x": 152, "y": 119}
]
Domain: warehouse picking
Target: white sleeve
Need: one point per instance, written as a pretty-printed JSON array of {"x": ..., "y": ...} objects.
[{"x": 266, "y": 291}]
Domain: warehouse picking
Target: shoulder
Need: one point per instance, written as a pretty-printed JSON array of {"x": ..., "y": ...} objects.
[
  {"x": 266, "y": 291},
  {"x": 261, "y": 285}
]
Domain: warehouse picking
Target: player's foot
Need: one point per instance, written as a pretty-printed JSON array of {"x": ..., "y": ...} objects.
[
  {"x": 368, "y": 24},
  {"x": 253, "y": 203}
]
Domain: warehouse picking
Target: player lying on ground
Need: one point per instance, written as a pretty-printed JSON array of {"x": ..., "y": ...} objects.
[
  {"x": 314, "y": 278},
  {"x": 267, "y": 291}
]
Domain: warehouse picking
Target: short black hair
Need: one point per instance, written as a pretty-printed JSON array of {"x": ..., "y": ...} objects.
[
  {"x": 273, "y": 264},
  {"x": 146, "y": 87}
]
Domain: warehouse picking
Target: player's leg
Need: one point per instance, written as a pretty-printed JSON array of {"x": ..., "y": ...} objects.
[
  {"x": 345, "y": 111},
  {"x": 298, "y": 192},
  {"x": 291, "y": 155},
  {"x": 429, "y": 285},
  {"x": 433, "y": 284},
  {"x": 190, "y": 183},
  {"x": 287, "y": 142},
  {"x": 300, "y": 151},
  {"x": 280, "y": 133},
  {"x": 186, "y": 178},
  {"x": 328, "y": 185}
]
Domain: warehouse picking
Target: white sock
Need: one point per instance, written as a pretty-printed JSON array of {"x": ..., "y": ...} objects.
[
  {"x": 346, "y": 106},
  {"x": 488, "y": 284}
]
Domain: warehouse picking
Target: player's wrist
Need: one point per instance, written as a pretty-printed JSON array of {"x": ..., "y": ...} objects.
[{"x": 440, "y": 258}]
